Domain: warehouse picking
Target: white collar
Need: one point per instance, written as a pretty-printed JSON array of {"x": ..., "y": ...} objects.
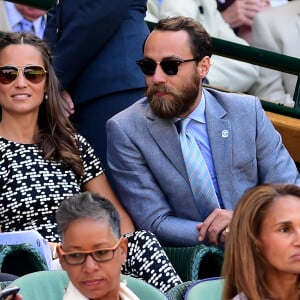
[{"x": 72, "y": 293}]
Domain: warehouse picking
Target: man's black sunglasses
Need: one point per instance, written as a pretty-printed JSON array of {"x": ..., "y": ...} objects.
[{"x": 169, "y": 66}]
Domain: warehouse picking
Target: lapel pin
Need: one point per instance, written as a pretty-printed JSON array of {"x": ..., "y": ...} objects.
[{"x": 225, "y": 133}]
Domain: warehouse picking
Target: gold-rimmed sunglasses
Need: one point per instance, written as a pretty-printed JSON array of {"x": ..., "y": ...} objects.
[{"x": 34, "y": 74}]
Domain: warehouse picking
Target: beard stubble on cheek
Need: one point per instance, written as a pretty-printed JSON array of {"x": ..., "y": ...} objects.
[{"x": 175, "y": 102}]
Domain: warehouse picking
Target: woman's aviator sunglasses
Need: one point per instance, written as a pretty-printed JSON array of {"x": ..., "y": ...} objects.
[
  {"x": 169, "y": 66},
  {"x": 34, "y": 74}
]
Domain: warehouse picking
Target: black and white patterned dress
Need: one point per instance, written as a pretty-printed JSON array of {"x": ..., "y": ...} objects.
[{"x": 31, "y": 189}]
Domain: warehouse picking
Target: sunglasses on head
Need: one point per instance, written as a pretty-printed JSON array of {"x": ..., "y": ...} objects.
[
  {"x": 34, "y": 74},
  {"x": 169, "y": 66}
]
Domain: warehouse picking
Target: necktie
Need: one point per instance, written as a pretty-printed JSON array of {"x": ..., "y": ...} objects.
[
  {"x": 200, "y": 179},
  {"x": 26, "y": 25}
]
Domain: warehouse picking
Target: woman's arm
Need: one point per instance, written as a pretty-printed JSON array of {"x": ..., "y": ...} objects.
[{"x": 101, "y": 186}]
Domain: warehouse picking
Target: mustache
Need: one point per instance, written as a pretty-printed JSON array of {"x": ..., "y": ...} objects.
[{"x": 159, "y": 89}]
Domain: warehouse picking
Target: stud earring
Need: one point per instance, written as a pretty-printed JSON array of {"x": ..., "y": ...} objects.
[{"x": 46, "y": 96}]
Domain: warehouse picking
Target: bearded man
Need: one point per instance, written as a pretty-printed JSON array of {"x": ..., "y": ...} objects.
[{"x": 182, "y": 157}]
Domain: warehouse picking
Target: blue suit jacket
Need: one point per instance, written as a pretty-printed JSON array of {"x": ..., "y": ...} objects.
[
  {"x": 95, "y": 44},
  {"x": 145, "y": 158}
]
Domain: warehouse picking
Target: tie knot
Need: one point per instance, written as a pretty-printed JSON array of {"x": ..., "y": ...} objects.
[
  {"x": 26, "y": 26},
  {"x": 182, "y": 124}
]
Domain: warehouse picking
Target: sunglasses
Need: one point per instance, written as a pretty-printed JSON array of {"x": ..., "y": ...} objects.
[
  {"x": 99, "y": 255},
  {"x": 34, "y": 74},
  {"x": 169, "y": 66}
]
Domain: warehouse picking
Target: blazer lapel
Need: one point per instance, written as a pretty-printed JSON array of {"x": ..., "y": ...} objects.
[
  {"x": 165, "y": 135},
  {"x": 219, "y": 132}
]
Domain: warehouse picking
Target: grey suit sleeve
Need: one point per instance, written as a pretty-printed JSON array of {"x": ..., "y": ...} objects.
[
  {"x": 274, "y": 163},
  {"x": 141, "y": 194}
]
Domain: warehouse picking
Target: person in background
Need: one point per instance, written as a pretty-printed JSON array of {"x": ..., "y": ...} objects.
[
  {"x": 262, "y": 251},
  {"x": 44, "y": 160},
  {"x": 18, "y": 17},
  {"x": 239, "y": 14},
  {"x": 224, "y": 73},
  {"x": 92, "y": 249},
  {"x": 152, "y": 13},
  {"x": 270, "y": 33},
  {"x": 182, "y": 156},
  {"x": 95, "y": 45}
]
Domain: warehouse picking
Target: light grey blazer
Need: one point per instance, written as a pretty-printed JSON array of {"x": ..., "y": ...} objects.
[
  {"x": 277, "y": 29},
  {"x": 145, "y": 160}
]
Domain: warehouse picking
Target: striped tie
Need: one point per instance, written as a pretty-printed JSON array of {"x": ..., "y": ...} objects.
[{"x": 200, "y": 179}]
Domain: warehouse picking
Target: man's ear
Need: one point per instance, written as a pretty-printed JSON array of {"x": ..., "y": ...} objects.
[{"x": 203, "y": 66}]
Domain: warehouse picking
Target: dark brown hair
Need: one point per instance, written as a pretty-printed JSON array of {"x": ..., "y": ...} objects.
[
  {"x": 200, "y": 40},
  {"x": 56, "y": 137}
]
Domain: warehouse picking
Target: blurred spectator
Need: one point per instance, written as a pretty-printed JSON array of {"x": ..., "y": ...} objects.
[
  {"x": 224, "y": 72},
  {"x": 278, "y": 30},
  {"x": 17, "y": 17},
  {"x": 95, "y": 45},
  {"x": 152, "y": 13},
  {"x": 239, "y": 14}
]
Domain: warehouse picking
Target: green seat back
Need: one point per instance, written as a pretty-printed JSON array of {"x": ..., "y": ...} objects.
[
  {"x": 21, "y": 259},
  {"x": 50, "y": 285},
  {"x": 196, "y": 262},
  {"x": 46, "y": 285},
  {"x": 144, "y": 290},
  {"x": 205, "y": 289}
]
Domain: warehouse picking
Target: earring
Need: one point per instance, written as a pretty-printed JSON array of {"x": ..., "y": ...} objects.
[{"x": 46, "y": 96}]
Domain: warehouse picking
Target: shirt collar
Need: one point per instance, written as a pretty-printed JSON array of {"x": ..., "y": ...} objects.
[
  {"x": 15, "y": 17},
  {"x": 198, "y": 114}
]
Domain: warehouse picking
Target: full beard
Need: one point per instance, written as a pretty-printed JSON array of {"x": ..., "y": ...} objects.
[{"x": 175, "y": 103}]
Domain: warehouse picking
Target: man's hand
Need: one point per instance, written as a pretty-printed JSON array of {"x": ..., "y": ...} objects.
[
  {"x": 68, "y": 104},
  {"x": 214, "y": 226}
]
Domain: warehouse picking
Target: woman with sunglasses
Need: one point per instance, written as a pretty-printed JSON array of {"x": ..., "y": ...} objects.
[{"x": 44, "y": 160}]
